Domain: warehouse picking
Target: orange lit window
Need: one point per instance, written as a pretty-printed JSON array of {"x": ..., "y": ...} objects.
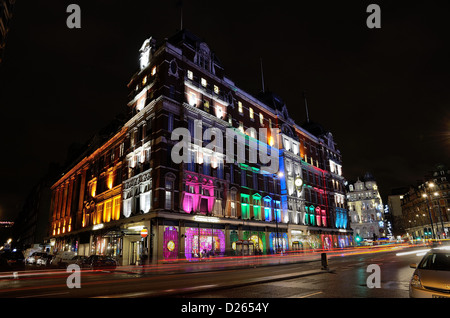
[
  {"x": 116, "y": 208},
  {"x": 110, "y": 180},
  {"x": 98, "y": 216},
  {"x": 93, "y": 188},
  {"x": 107, "y": 211}
]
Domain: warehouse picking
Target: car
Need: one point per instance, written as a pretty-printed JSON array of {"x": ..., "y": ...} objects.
[
  {"x": 63, "y": 259},
  {"x": 44, "y": 260},
  {"x": 431, "y": 278},
  {"x": 100, "y": 262},
  {"x": 32, "y": 259},
  {"x": 78, "y": 260},
  {"x": 12, "y": 260}
]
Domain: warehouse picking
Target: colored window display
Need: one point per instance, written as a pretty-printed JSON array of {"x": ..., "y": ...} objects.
[
  {"x": 170, "y": 248},
  {"x": 282, "y": 245},
  {"x": 204, "y": 242}
]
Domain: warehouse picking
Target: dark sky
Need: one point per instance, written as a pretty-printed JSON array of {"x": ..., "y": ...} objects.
[{"x": 383, "y": 93}]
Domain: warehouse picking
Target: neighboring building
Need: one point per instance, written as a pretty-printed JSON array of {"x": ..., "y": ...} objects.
[
  {"x": 426, "y": 207},
  {"x": 6, "y": 7},
  {"x": 395, "y": 208},
  {"x": 366, "y": 209},
  {"x": 212, "y": 202},
  {"x": 31, "y": 226}
]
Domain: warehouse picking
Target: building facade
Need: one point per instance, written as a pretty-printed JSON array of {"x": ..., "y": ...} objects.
[
  {"x": 426, "y": 207},
  {"x": 205, "y": 168},
  {"x": 366, "y": 209}
]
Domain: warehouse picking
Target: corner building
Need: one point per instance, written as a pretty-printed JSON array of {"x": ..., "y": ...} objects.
[{"x": 208, "y": 205}]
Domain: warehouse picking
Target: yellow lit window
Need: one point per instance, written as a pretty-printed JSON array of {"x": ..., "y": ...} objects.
[
  {"x": 203, "y": 82},
  {"x": 110, "y": 180},
  {"x": 216, "y": 89},
  {"x": 190, "y": 75},
  {"x": 251, "y": 113},
  {"x": 153, "y": 71},
  {"x": 93, "y": 188},
  {"x": 116, "y": 208},
  {"x": 261, "y": 119},
  {"x": 144, "y": 80},
  {"x": 98, "y": 216},
  {"x": 107, "y": 211},
  {"x": 240, "y": 107}
]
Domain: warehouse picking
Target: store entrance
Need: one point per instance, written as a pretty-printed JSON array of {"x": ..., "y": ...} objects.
[{"x": 135, "y": 253}]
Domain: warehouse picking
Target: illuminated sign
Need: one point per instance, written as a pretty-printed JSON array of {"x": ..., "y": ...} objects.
[
  {"x": 209, "y": 219},
  {"x": 98, "y": 226},
  {"x": 298, "y": 182}
]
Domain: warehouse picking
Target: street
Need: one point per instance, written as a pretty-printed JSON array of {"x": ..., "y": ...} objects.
[{"x": 346, "y": 276}]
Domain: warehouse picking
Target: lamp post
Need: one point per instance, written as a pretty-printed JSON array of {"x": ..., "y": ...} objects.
[
  {"x": 436, "y": 194},
  {"x": 279, "y": 175},
  {"x": 425, "y": 195}
]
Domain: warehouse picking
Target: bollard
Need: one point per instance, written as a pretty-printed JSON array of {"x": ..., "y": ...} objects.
[{"x": 324, "y": 261}]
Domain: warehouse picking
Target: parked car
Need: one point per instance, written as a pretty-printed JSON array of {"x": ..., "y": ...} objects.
[
  {"x": 62, "y": 259},
  {"x": 78, "y": 260},
  {"x": 33, "y": 258},
  {"x": 100, "y": 262},
  {"x": 12, "y": 260},
  {"x": 431, "y": 279},
  {"x": 44, "y": 260}
]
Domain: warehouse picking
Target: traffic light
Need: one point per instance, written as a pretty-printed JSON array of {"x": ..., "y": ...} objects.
[{"x": 357, "y": 238}]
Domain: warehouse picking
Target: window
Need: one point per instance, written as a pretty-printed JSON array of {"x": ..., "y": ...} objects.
[
  {"x": 230, "y": 120},
  {"x": 250, "y": 110},
  {"x": 261, "y": 119},
  {"x": 170, "y": 178},
  {"x": 206, "y": 106},
  {"x": 190, "y": 75},
  {"x": 240, "y": 107},
  {"x": 116, "y": 208},
  {"x": 107, "y": 211},
  {"x": 216, "y": 89},
  {"x": 170, "y": 123},
  {"x": 241, "y": 126},
  {"x": 153, "y": 71},
  {"x": 204, "y": 82}
]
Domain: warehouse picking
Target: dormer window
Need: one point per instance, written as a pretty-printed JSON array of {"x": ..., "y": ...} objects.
[
  {"x": 204, "y": 82},
  {"x": 190, "y": 75},
  {"x": 204, "y": 57}
]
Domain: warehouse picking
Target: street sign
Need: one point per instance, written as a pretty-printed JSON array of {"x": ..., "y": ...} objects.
[{"x": 144, "y": 233}]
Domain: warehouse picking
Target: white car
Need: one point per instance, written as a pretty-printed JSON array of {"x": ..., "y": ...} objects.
[
  {"x": 32, "y": 259},
  {"x": 431, "y": 279}
]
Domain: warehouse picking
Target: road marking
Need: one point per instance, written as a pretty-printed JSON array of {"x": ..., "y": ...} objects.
[{"x": 304, "y": 296}]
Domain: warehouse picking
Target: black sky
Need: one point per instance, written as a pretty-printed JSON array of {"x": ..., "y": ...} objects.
[{"x": 383, "y": 93}]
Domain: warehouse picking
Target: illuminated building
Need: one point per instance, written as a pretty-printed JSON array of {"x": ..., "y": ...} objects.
[
  {"x": 426, "y": 207},
  {"x": 213, "y": 203},
  {"x": 366, "y": 209}
]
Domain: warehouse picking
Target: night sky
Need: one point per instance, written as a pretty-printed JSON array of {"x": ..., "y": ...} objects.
[{"x": 383, "y": 93}]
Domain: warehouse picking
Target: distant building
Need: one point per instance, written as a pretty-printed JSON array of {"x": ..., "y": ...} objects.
[
  {"x": 395, "y": 208},
  {"x": 366, "y": 209},
  {"x": 426, "y": 206},
  {"x": 6, "y": 7}
]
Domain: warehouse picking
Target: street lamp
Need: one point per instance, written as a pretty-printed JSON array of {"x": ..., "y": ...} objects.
[
  {"x": 436, "y": 194},
  {"x": 429, "y": 213}
]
